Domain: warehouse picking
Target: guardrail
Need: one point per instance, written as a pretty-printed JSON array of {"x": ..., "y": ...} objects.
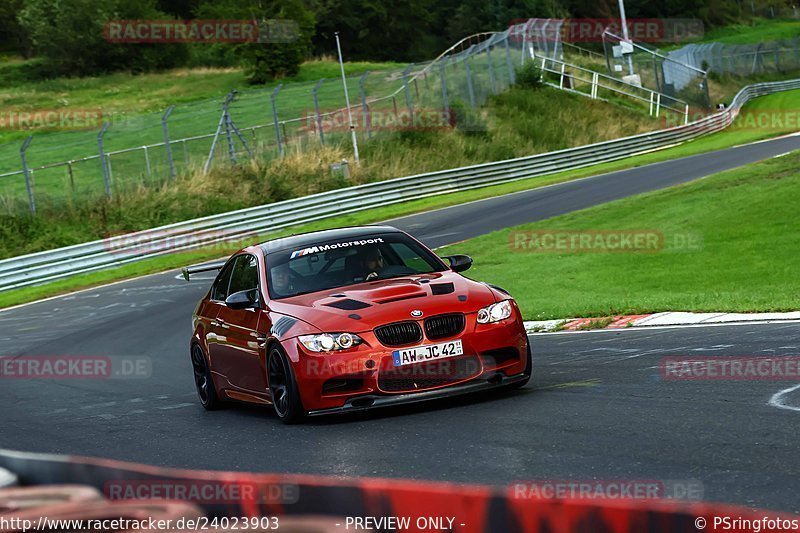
[{"x": 57, "y": 264}]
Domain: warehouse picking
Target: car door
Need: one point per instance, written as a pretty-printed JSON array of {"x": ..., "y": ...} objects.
[{"x": 238, "y": 345}]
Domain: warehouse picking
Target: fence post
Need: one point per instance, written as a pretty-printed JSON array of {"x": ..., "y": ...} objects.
[
  {"x": 22, "y": 151},
  {"x": 147, "y": 163},
  {"x": 315, "y": 90},
  {"x": 469, "y": 83},
  {"x": 594, "y": 85},
  {"x": 658, "y": 104},
  {"x": 686, "y": 114},
  {"x": 491, "y": 69},
  {"x": 103, "y": 162},
  {"x": 561, "y": 80},
  {"x": 228, "y": 129},
  {"x": 364, "y": 107},
  {"x": 651, "y": 104},
  {"x": 408, "y": 93},
  {"x": 445, "y": 101},
  {"x": 166, "y": 141},
  {"x": 511, "y": 74},
  {"x": 275, "y": 118}
]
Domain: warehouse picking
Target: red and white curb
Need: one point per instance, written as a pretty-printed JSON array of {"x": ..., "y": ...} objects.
[{"x": 670, "y": 318}]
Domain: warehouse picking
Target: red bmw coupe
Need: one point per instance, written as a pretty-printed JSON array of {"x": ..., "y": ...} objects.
[{"x": 351, "y": 319}]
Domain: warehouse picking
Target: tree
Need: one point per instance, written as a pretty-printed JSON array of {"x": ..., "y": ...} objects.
[
  {"x": 69, "y": 34},
  {"x": 286, "y": 28}
]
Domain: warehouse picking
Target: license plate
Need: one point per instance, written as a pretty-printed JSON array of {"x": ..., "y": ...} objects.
[{"x": 430, "y": 352}]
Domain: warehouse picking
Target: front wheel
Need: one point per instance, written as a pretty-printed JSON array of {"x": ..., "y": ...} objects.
[
  {"x": 202, "y": 380},
  {"x": 283, "y": 388}
]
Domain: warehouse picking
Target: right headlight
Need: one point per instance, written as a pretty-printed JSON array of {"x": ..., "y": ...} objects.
[
  {"x": 495, "y": 312},
  {"x": 329, "y": 342}
]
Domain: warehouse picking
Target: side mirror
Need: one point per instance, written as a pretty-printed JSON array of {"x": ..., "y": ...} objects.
[
  {"x": 460, "y": 262},
  {"x": 243, "y": 300}
]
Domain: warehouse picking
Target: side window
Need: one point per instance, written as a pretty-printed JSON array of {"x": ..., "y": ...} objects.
[
  {"x": 245, "y": 274},
  {"x": 219, "y": 291}
]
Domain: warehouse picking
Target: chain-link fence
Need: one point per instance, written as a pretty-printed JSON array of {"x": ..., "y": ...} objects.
[
  {"x": 640, "y": 65},
  {"x": 742, "y": 60},
  {"x": 146, "y": 150}
]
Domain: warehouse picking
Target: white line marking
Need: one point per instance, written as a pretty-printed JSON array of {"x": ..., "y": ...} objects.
[
  {"x": 180, "y": 405},
  {"x": 777, "y": 399}
]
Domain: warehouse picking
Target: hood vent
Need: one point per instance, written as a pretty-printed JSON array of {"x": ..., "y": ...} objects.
[
  {"x": 401, "y": 297},
  {"x": 348, "y": 305},
  {"x": 442, "y": 288}
]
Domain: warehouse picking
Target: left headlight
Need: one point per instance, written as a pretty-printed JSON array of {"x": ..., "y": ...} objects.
[
  {"x": 495, "y": 312},
  {"x": 329, "y": 342}
]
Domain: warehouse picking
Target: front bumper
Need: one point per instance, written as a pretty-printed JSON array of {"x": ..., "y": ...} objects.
[
  {"x": 361, "y": 378},
  {"x": 371, "y": 401}
]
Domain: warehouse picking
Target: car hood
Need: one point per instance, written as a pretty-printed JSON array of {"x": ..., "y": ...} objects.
[{"x": 364, "y": 306}]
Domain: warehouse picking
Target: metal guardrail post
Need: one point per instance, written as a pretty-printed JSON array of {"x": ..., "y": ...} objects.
[
  {"x": 408, "y": 93},
  {"x": 315, "y": 92},
  {"x": 167, "y": 145},
  {"x": 22, "y": 150},
  {"x": 103, "y": 161},
  {"x": 275, "y": 118},
  {"x": 364, "y": 107}
]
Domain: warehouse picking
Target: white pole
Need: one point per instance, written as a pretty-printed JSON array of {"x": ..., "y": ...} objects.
[
  {"x": 347, "y": 102},
  {"x": 625, "y": 36}
]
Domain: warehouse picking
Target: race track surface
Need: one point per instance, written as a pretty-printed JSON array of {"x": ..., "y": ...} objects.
[{"x": 596, "y": 408}]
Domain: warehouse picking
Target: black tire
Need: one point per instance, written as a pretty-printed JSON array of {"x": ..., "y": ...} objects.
[
  {"x": 528, "y": 372},
  {"x": 283, "y": 388},
  {"x": 202, "y": 380}
]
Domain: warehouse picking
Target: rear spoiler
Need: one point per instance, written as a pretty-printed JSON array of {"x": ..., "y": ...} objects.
[{"x": 188, "y": 271}]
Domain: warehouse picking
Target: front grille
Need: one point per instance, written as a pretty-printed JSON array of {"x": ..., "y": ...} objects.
[
  {"x": 430, "y": 375},
  {"x": 443, "y": 326},
  {"x": 399, "y": 333}
]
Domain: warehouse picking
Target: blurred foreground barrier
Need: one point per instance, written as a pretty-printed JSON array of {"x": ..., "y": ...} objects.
[
  {"x": 42, "y": 267},
  {"x": 17, "y": 499},
  {"x": 290, "y": 498},
  {"x": 7, "y": 479}
]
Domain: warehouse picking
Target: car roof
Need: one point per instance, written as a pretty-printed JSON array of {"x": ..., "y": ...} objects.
[{"x": 306, "y": 239}]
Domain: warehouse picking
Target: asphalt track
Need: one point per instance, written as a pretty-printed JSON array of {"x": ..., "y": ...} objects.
[{"x": 595, "y": 409}]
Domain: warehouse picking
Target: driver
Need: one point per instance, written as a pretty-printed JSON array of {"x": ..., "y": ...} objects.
[
  {"x": 281, "y": 281},
  {"x": 372, "y": 262}
]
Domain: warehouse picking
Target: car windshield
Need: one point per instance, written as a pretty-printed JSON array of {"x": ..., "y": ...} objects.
[{"x": 338, "y": 263}]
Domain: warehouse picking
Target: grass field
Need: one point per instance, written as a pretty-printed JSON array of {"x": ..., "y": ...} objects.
[{"x": 729, "y": 245}]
